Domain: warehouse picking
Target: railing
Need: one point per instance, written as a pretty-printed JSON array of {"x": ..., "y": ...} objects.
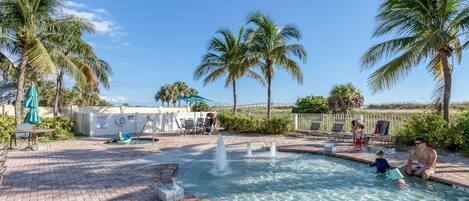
[{"x": 303, "y": 121}]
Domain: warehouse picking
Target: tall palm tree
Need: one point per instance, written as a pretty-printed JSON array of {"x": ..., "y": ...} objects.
[
  {"x": 73, "y": 56},
  {"x": 227, "y": 56},
  {"x": 24, "y": 25},
  {"x": 174, "y": 94},
  {"x": 421, "y": 30},
  {"x": 181, "y": 87},
  {"x": 190, "y": 92},
  {"x": 344, "y": 97},
  {"x": 269, "y": 43}
]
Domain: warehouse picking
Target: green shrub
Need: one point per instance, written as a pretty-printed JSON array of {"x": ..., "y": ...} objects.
[
  {"x": 434, "y": 129},
  {"x": 429, "y": 125},
  {"x": 239, "y": 122},
  {"x": 64, "y": 128},
  {"x": 276, "y": 125},
  {"x": 310, "y": 104},
  {"x": 7, "y": 127},
  {"x": 244, "y": 123},
  {"x": 457, "y": 137}
]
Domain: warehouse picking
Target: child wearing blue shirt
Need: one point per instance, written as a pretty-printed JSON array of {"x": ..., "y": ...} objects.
[
  {"x": 382, "y": 166},
  {"x": 381, "y": 163}
]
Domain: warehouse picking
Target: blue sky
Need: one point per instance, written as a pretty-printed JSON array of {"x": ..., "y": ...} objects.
[{"x": 151, "y": 43}]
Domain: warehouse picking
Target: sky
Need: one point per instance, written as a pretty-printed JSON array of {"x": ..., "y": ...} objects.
[{"x": 152, "y": 43}]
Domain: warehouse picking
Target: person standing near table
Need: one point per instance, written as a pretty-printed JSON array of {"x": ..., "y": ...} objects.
[{"x": 211, "y": 121}]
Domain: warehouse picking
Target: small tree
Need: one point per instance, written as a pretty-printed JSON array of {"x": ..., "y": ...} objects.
[
  {"x": 310, "y": 104},
  {"x": 344, "y": 97}
]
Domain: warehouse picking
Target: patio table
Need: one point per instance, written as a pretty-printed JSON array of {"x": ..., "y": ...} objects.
[{"x": 33, "y": 133}]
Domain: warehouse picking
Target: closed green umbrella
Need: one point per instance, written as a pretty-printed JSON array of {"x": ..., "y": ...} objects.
[{"x": 32, "y": 102}]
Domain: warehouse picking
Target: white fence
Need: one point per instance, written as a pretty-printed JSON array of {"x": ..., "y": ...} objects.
[{"x": 303, "y": 121}]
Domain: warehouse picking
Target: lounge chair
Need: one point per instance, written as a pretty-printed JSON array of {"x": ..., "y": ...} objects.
[
  {"x": 336, "y": 130},
  {"x": 381, "y": 133},
  {"x": 314, "y": 129}
]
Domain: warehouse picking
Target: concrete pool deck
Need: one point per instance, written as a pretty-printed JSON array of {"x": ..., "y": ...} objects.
[{"x": 87, "y": 169}]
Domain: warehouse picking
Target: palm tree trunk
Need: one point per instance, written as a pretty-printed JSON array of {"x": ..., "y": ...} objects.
[
  {"x": 58, "y": 91},
  {"x": 234, "y": 97},
  {"x": 19, "y": 89},
  {"x": 447, "y": 92},
  {"x": 269, "y": 96},
  {"x": 269, "y": 87}
]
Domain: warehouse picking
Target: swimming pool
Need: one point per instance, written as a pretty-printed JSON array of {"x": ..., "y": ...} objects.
[{"x": 292, "y": 176}]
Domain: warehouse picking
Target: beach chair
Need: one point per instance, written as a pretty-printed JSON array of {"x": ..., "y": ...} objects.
[
  {"x": 336, "y": 130},
  {"x": 314, "y": 129},
  {"x": 381, "y": 133}
]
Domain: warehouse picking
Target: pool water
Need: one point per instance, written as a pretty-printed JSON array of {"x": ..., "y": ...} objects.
[{"x": 298, "y": 177}]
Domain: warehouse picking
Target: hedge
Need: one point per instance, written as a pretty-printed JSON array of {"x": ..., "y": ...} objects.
[
  {"x": 64, "y": 128},
  {"x": 244, "y": 123}
]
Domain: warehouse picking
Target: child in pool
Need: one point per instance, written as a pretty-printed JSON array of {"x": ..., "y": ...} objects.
[
  {"x": 381, "y": 163},
  {"x": 382, "y": 166}
]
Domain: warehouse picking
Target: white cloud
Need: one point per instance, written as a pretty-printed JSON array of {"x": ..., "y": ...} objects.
[
  {"x": 114, "y": 99},
  {"x": 73, "y": 4},
  {"x": 98, "y": 17}
]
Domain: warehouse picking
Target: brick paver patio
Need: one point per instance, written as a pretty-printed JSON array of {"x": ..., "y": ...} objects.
[{"x": 87, "y": 169}]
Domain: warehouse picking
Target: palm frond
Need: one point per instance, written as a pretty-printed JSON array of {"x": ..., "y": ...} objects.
[{"x": 39, "y": 58}]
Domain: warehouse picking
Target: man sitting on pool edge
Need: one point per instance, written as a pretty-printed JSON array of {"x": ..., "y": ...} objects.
[{"x": 422, "y": 160}]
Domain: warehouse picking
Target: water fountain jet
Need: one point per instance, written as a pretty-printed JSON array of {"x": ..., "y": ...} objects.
[
  {"x": 273, "y": 149},
  {"x": 220, "y": 163},
  {"x": 249, "y": 149}
]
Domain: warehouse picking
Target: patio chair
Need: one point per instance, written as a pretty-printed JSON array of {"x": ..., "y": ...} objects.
[
  {"x": 336, "y": 131},
  {"x": 381, "y": 132},
  {"x": 188, "y": 126},
  {"x": 16, "y": 135},
  {"x": 179, "y": 126},
  {"x": 200, "y": 125},
  {"x": 314, "y": 129},
  {"x": 3, "y": 160}
]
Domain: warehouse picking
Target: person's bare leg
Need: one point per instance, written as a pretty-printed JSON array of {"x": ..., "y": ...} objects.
[
  {"x": 403, "y": 169},
  {"x": 419, "y": 172},
  {"x": 425, "y": 176}
]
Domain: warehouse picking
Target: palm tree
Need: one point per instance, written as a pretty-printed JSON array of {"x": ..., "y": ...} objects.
[
  {"x": 191, "y": 92},
  {"x": 73, "y": 56},
  {"x": 181, "y": 87},
  {"x": 173, "y": 94},
  {"x": 24, "y": 26},
  {"x": 159, "y": 96},
  {"x": 228, "y": 56},
  {"x": 422, "y": 30},
  {"x": 166, "y": 94},
  {"x": 268, "y": 42},
  {"x": 345, "y": 96}
]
